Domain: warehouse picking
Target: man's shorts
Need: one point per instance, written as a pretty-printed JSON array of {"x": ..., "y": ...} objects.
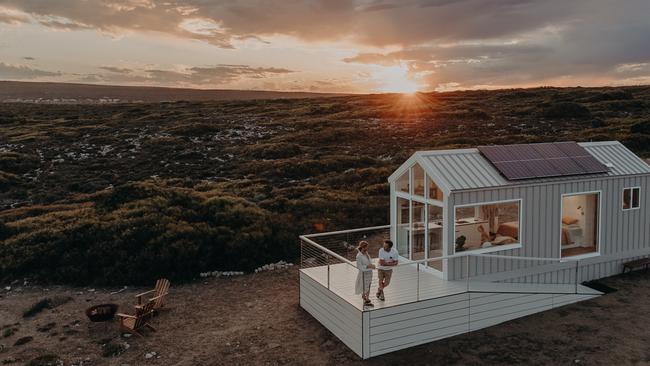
[{"x": 384, "y": 275}]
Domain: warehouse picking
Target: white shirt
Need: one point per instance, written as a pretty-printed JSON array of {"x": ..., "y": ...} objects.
[
  {"x": 391, "y": 255},
  {"x": 363, "y": 260}
]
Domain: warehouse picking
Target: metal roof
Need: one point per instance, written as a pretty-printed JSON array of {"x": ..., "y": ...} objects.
[{"x": 468, "y": 169}]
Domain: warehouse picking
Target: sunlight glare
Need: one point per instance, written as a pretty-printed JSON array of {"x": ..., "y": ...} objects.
[{"x": 395, "y": 79}]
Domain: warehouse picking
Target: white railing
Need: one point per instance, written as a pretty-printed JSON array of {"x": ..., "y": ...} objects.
[{"x": 329, "y": 257}]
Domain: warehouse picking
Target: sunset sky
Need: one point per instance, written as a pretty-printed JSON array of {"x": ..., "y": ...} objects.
[{"x": 327, "y": 46}]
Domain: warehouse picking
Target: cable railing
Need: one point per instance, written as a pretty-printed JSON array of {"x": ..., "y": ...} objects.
[{"x": 330, "y": 259}]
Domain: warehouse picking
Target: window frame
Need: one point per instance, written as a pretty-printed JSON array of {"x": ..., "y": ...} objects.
[
  {"x": 638, "y": 189},
  {"x": 425, "y": 200},
  {"x": 497, "y": 248},
  {"x": 600, "y": 226}
]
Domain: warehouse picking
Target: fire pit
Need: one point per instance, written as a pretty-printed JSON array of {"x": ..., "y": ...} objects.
[{"x": 101, "y": 313}]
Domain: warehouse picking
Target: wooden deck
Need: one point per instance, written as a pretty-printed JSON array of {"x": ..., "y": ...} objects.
[
  {"x": 408, "y": 285},
  {"x": 419, "y": 306}
]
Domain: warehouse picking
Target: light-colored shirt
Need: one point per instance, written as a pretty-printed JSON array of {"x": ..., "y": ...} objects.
[
  {"x": 391, "y": 255},
  {"x": 363, "y": 260}
]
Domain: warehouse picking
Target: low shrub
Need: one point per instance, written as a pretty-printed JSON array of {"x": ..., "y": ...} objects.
[
  {"x": 142, "y": 231},
  {"x": 46, "y": 360},
  {"x": 641, "y": 127},
  {"x": 273, "y": 150},
  {"x": 47, "y": 303},
  {"x": 8, "y": 180},
  {"x": 638, "y": 142},
  {"x": 17, "y": 163},
  {"x": 113, "y": 349},
  {"x": 37, "y": 308},
  {"x": 565, "y": 110}
]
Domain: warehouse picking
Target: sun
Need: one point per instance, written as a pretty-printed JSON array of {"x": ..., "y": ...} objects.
[{"x": 395, "y": 79}]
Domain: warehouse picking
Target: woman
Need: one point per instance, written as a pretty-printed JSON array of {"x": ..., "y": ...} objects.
[{"x": 364, "y": 277}]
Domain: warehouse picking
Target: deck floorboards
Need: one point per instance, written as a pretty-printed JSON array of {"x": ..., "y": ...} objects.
[{"x": 409, "y": 285}]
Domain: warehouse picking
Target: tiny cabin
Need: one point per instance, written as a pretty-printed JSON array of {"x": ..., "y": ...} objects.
[
  {"x": 484, "y": 235},
  {"x": 562, "y": 200}
]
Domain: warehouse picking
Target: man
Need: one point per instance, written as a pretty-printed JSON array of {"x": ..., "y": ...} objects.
[{"x": 387, "y": 259}]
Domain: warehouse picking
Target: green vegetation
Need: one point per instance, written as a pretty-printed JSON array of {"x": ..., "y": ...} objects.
[
  {"x": 122, "y": 194},
  {"x": 141, "y": 231},
  {"x": 46, "y": 360},
  {"x": 47, "y": 303}
]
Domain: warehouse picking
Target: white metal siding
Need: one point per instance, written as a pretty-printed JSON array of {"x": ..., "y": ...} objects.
[
  {"x": 337, "y": 315},
  {"x": 624, "y": 235},
  {"x": 408, "y": 325},
  {"x": 412, "y": 324}
]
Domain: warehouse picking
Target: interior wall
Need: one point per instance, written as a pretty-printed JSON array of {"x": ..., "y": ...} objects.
[{"x": 583, "y": 207}]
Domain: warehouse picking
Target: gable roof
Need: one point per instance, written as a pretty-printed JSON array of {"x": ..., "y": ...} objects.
[{"x": 467, "y": 169}]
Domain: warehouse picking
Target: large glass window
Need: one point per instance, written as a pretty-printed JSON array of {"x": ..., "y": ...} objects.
[
  {"x": 435, "y": 225},
  {"x": 580, "y": 221},
  {"x": 403, "y": 226},
  {"x": 417, "y": 230},
  {"x": 403, "y": 183},
  {"x": 418, "y": 180},
  {"x": 418, "y": 226},
  {"x": 433, "y": 192},
  {"x": 487, "y": 226},
  {"x": 631, "y": 198}
]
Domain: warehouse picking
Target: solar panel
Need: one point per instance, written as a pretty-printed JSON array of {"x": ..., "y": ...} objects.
[{"x": 554, "y": 159}]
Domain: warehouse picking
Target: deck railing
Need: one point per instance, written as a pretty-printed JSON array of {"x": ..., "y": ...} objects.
[{"x": 329, "y": 258}]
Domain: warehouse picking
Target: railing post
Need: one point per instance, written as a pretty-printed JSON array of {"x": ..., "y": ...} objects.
[
  {"x": 418, "y": 281},
  {"x": 576, "y": 284},
  {"x": 327, "y": 257},
  {"x": 467, "y": 273}
]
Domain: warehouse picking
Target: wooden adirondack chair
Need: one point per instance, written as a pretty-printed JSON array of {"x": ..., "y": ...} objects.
[
  {"x": 132, "y": 323},
  {"x": 159, "y": 292}
]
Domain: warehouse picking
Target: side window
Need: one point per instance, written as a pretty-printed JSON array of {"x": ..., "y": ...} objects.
[{"x": 631, "y": 199}]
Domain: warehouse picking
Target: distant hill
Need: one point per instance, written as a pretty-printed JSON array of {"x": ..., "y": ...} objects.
[{"x": 64, "y": 93}]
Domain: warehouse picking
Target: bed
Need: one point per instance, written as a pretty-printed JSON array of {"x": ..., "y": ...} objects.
[
  {"x": 510, "y": 229},
  {"x": 570, "y": 232}
]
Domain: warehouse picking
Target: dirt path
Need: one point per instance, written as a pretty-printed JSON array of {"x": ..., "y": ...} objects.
[{"x": 255, "y": 319}]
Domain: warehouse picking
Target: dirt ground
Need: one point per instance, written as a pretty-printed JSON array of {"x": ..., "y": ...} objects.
[{"x": 256, "y": 320}]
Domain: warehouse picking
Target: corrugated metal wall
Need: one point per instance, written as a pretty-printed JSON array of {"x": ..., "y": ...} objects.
[{"x": 624, "y": 234}]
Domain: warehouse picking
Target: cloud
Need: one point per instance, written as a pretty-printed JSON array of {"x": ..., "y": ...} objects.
[
  {"x": 10, "y": 16},
  {"x": 376, "y": 23},
  {"x": 23, "y": 72},
  {"x": 442, "y": 43},
  {"x": 197, "y": 76},
  {"x": 213, "y": 75},
  {"x": 117, "y": 70},
  {"x": 595, "y": 48}
]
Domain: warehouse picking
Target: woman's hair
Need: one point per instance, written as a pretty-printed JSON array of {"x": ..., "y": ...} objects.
[{"x": 362, "y": 244}]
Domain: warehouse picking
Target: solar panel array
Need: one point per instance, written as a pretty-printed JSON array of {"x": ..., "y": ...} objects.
[{"x": 553, "y": 159}]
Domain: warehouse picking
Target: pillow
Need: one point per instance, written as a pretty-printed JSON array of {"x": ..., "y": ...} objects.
[{"x": 568, "y": 220}]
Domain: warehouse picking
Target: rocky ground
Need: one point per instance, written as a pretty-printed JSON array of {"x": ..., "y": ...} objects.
[{"x": 255, "y": 319}]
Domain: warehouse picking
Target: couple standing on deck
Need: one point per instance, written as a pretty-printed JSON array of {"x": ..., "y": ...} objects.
[{"x": 387, "y": 258}]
